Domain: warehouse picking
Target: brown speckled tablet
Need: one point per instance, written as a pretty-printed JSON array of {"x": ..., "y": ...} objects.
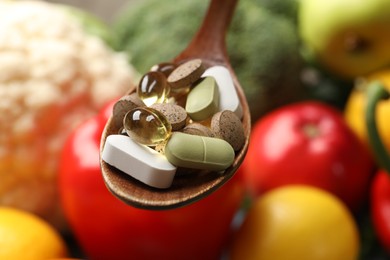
[
  {"x": 176, "y": 115},
  {"x": 186, "y": 74},
  {"x": 227, "y": 126},
  {"x": 123, "y": 105},
  {"x": 198, "y": 129}
]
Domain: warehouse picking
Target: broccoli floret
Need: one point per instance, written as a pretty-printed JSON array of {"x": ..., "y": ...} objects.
[
  {"x": 155, "y": 31},
  {"x": 263, "y": 47},
  {"x": 264, "y": 51},
  {"x": 286, "y": 8},
  {"x": 92, "y": 24}
]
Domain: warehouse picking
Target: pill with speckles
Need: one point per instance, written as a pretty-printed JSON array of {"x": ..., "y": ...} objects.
[
  {"x": 198, "y": 129},
  {"x": 124, "y": 105},
  {"x": 176, "y": 115},
  {"x": 227, "y": 126},
  {"x": 186, "y": 74}
]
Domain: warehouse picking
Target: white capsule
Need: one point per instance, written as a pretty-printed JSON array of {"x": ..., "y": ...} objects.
[
  {"x": 138, "y": 161},
  {"x": 228, "y": 100}
]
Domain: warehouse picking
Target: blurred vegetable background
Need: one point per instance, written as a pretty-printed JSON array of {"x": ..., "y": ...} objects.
[{"x": 310, "y": 186}]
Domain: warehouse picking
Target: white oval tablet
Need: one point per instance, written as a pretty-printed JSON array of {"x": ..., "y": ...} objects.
[
  {"x": 228, "y": 99},
  {"x": 138, "y": 161}
]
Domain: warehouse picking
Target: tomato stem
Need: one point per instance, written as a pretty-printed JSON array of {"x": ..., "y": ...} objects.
[
  {"x": 311, "y": 130},
  {"x": 375, "y": 93}
]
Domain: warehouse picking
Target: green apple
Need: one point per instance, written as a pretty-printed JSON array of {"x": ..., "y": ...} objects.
[{"x": 349, "y": 37}]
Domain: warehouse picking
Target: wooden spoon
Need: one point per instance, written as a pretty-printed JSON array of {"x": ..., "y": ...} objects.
[{"x": 209, "y": 45}]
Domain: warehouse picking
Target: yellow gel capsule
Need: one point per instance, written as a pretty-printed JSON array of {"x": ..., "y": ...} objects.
[
  {"x": 199, "y": 152},
  {"x": 203, "y": 100},
  {"x": 147, "y": 126},
  {"x": 153, "y": 88},
  {"x": 166, "y": 68}
]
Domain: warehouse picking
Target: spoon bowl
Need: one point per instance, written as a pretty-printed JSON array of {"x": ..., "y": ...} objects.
[{"x": 188, "y": 185}]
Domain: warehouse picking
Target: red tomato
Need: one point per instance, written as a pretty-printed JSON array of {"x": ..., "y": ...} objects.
[
  {"x": 308, "y": 143},
  {"x": 380, "y": 207},
  {"x": 106, "y": 228}
]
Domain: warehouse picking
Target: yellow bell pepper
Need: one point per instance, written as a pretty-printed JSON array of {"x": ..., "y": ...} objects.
[{"x": 355, "y": 108}]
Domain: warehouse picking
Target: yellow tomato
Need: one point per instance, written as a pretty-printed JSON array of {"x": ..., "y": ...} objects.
[
  {"x": 297, "y": 222},
  {"x": 355, "y": 108}
]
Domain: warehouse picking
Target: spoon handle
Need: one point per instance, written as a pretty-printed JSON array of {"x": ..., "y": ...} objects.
[{"x": 209, "y": 41}]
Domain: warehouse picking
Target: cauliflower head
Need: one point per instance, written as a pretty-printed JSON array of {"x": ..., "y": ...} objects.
[{"x": 53, "y": 76}]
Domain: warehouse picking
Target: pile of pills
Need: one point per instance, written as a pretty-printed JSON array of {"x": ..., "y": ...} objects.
[{"x": 181, "y": 115}]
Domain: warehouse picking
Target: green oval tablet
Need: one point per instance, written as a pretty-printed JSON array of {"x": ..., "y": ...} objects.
[
  {"x": 199, "y": 152},
  {"x": 203, "y": 100}
]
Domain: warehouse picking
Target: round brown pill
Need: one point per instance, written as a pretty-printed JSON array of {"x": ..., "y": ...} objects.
[
  {"x": 227, "y": 126},
  {"x": 186, "y": 73},
  {"x": 198, "y": 129},
  {"x": 124, "y": 105},
  {"x": 176, "y": 115}
]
